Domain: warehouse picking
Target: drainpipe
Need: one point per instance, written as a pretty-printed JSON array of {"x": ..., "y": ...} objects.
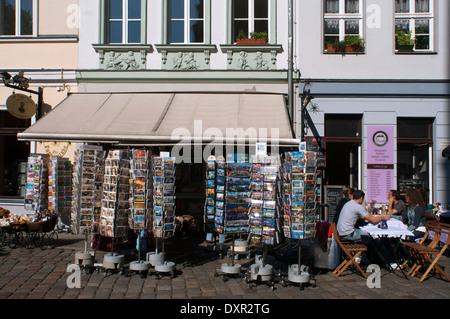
[{"x": 291, "y": 64}]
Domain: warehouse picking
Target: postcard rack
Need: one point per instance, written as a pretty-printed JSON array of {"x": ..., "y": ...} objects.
[
  {"x": 301, "y": 193},
  {"x": 115, "y": 205},
  {"x": 215, "y": 191},
  {"x": 140, "y": 205},
  {"x": 264, "y": 229},
  {"x": 36, "y": 194},
  {"x": 87, "y": 178},
  {"x": 232, "y": 213},
  {"x": 163, "y": 178},
  {"x": 60, "y": 189}
]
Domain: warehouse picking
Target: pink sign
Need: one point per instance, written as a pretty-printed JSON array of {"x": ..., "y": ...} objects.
[{"x": 380, "y": 162}]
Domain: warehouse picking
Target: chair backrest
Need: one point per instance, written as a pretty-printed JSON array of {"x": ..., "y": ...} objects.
[
  {"x": 444, "y": 234},
  {"x": 432, "y": 233},
  {"x": 335, "y": 234}
]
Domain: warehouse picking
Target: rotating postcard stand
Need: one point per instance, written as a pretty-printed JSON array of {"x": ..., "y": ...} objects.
[
  {"x": 263, "y": 217},
  {"x": 140, "y": 201},
  {"x": 115, "y": 206},
  {"x": 86, "y": 199},
  {"x": 300, "y": 214},
  {"x": 163, "y": 212},
  {"x": 232, "y": 214},
  {"x": 215, "y": 171}
]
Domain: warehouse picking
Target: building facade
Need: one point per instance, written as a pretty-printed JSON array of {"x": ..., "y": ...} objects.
[
  {"x": 40, "y": 39},
  {"x": 126, "y": 52}
]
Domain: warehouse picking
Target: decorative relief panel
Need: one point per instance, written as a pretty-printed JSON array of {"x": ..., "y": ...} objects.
[
  {"x": 122, "y": 57},
  {"x": 251, "y": 57},
  {"x": 185, "y": 57}
]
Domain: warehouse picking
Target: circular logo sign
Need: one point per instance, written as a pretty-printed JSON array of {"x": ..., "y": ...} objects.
[
  {"x": 21, "y": 106},
  {"x": 380, "y": 138}
]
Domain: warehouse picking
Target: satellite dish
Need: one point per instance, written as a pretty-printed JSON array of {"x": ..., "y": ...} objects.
[{"x": 21, "y": 106}]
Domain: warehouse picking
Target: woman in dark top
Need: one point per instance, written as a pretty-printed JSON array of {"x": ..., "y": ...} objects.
[
  {"x": 348, "y": 195},
  {"x": 414, "y": 216}
]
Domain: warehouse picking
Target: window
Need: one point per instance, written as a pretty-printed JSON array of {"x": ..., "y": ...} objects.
[
  {"x": 17, "y": 17},
  {"x": 343, "y": 149},
  {"x": 250, "y": 16},
  {"x": 124, "y": 21},
  {"x": 342, "y": 18},
  {"x": 414, "y": 153},
  {"x": 186, "y": 21},
  {"x": 415, "y": 18}
]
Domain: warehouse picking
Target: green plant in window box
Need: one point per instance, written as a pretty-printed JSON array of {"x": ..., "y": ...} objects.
[
  {"x": 404, "y": 42},
  {"x": 255, "y": 38},
  {"x": 354, "y": 43}
]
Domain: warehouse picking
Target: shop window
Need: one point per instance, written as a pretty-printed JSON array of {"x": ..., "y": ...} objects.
[
  {"x": 186, "y": 21},
  {"x": 124, "y": 21},
  {"x": 343, "y": 149},
  {"x": 415, "y": 19},
  {"x": 17, "y": 17},
  {"x": 343, "y": 19},
  {"x": 414, "y": 145}
]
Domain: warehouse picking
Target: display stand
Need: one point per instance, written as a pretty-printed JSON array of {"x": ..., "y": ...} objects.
[
  {"x": 301, "y": 195},
  {"x": 214, "y": 172},
  {"x": 115, "y": 206},
  {"x": 140, "y": 203},
  {"x": 263, "y": 221},
  {"x": 36, "y": 193},
  {"x": 60, "y": 190},
  {"x": 232, "y": 214},
  {"x": 163, "y": 177},
  {"x": 86, "y": 198}
]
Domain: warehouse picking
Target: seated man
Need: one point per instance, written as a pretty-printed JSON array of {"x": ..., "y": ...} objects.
[{"x": 350, "y": 214}]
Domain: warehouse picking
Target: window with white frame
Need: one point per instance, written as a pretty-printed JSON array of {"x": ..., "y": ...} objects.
[
  {"x": 186, "y": 21},
  {"x": 250, "y": 16},
  {"x": 342, "y": 18},
  {"x": 415, "y": 18},
  {"x": 17, "y": 17},
  {"x": 123, "y": 21}
]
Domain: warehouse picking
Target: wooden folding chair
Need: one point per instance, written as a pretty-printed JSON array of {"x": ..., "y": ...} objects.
[
  {"x": 423, "y": 254},
  {"x": 350, "y": 250},
  {"x": 430, "y": 239}
]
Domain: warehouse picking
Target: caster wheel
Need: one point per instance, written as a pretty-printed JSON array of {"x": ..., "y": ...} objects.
[{"x": 271, "y": 288}]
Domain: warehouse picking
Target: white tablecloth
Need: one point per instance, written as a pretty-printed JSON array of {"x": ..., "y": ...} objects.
[{"x": 395, "y": 229}]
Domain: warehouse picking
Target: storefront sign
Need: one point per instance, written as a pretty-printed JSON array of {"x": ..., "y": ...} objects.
[{"x": 380, "y": 162}]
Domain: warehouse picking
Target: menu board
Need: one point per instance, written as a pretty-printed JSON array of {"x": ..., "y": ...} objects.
[{"x": 333, "y": 194}]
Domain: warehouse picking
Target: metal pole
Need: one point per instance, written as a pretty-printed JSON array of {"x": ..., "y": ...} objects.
[{"x": 291, "y": 61}]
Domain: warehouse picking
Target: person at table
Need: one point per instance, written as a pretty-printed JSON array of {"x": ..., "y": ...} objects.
[
  {"x": 397, "y": 206},
  {"x": 352, "y": 212},
  {"x": 414, "y": 216},
  {"x": 348, "y": 195}
]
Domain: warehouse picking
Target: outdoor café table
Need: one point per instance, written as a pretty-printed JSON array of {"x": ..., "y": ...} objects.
[{"x": 395, "y": 230}]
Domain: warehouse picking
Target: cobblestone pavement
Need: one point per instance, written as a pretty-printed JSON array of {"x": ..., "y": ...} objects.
[{"x": 42, "y": 274}]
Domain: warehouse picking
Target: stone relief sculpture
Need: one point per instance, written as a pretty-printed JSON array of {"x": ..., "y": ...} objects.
[
  {"x": 185, "y": 61},
  {"x": 122, "y": 62}
]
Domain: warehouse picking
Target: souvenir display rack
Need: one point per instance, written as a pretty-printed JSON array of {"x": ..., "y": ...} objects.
[
  {"x": 87, "y": 182},
  {"x": 301, "y": 197},
  {"x": 36, "y": 194},
  {"x": 140, "y": 205},
  {"x": 115, "y": 204},
  {"x": 232, "y": 212},
  {"x": 163, "y": 178},
  {"x": 60, "y": 188},
  {"x": 264, "y": 228}
]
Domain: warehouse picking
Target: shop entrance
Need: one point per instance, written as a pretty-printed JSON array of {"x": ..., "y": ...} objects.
[
  {"x": 13, "y": 155},
  {"x": 342, "y": 164}
]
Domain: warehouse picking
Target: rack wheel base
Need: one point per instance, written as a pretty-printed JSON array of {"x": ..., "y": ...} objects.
[
  {"x": 140, "y": 267},
  {"x": 85, "y": 260},
  {"x": 229, "y": 271},
  {"x": 298, "y": 276},
  {"x": 113, "y": 263},
  {"x": 154, "y": 258},
  {"x": 260, "y": 274},
  {"x": 168, "y": 267}
]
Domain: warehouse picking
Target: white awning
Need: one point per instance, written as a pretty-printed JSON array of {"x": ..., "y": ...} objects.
[{"x": 166, "y": 118}]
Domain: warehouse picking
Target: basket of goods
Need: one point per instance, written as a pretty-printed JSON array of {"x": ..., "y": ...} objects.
[{"x": 43, "y": 223}]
